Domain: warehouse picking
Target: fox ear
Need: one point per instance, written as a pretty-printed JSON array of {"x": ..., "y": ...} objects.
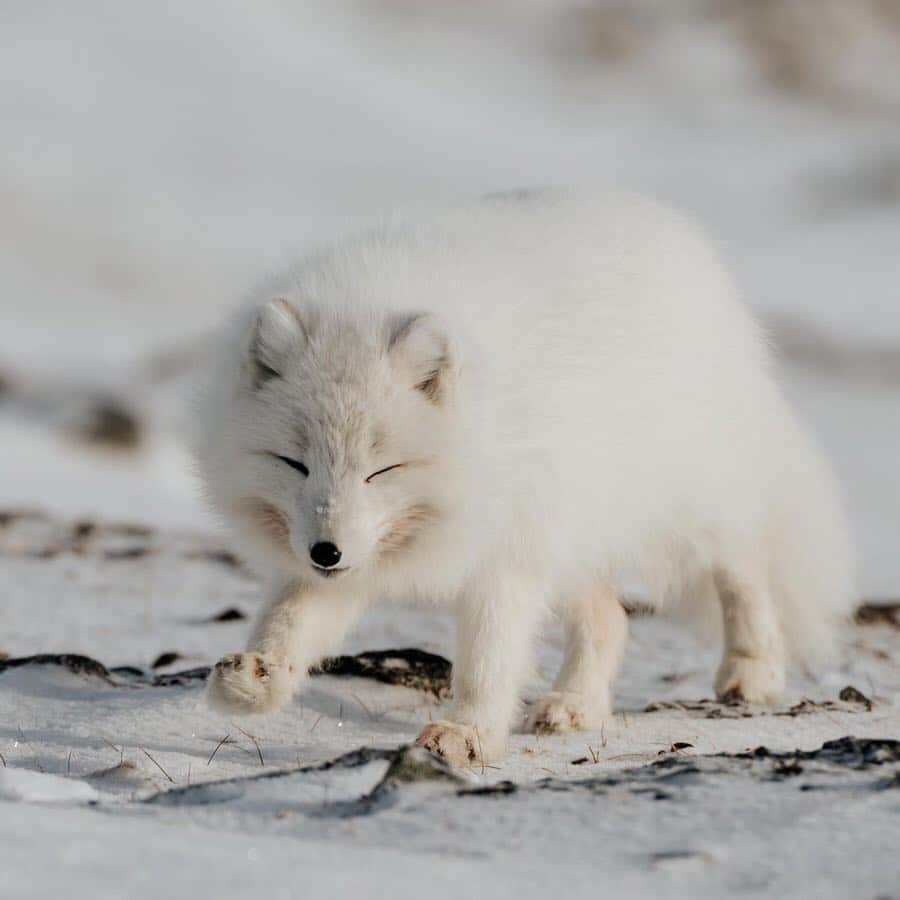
[
  {"x": 420, "y": 351},
  {"x": 277, "y": 330}
]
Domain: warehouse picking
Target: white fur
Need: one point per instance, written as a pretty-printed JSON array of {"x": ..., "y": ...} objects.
[{"x": 579, "y": 395}]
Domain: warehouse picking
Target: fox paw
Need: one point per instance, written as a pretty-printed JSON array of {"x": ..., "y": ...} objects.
[
  {"x": 561, "y": 711},
  {"x": 460, "y": 745},
  {"x": 244, "y": 683},
  {"x": 751, "y": 679}
]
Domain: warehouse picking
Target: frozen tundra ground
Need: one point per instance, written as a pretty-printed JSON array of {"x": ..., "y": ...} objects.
[{"x": 117, "y": 780}]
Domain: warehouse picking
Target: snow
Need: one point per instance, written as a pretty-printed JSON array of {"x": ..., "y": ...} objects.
[
  {"x": 155, "y": 160},
  {"x": 188, "y": 799},
  {"x": 39, "y": 787}
]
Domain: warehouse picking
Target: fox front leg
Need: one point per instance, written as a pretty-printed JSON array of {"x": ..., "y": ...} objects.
[
  {"x": 297, "y": 628},
  {"x": 497, "y": 618}
]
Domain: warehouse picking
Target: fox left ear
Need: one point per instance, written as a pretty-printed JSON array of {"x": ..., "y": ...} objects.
[
  {"x": 420, "y": 350},
  {"x": 276, "y": 332}
]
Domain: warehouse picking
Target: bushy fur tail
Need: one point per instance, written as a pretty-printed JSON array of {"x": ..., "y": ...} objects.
[{"x": 811, "y": 568}]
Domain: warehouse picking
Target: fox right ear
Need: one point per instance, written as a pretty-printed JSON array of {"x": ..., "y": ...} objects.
[
  {"x": 277, "y": 330},
  {"x": 419, "y": 348}
]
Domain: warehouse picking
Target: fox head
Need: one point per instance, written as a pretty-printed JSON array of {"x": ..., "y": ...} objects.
[{"x": 342, "y": 424}]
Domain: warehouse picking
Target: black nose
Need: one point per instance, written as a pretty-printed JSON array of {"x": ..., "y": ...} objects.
[{"x": 325, "y": 554}]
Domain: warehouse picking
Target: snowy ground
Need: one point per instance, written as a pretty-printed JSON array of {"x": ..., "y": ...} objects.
[
  {"x": 155, "y": 158},
  {"x": 125, "y": 789}
]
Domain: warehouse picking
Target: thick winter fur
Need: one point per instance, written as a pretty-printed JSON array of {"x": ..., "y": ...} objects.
[{"x": 566, "y": 389}]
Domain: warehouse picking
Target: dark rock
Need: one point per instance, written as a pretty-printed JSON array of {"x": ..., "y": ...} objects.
[
  {"x": 668, "y": 856},
  {"x": 786, "y": 768},
  {"x": 879, "y": 612},
  {"x": 853, "y": 752},
  {"x": 126, "y": 553},
  {"x": 408, "y": 667},
  {"x": 728, "y": 708},
  {"x": 805, "y": 707},
  {"x": 107, "y": 421},
  {"x": 165, "y": 659},
  {"x": 858, "y": 752},
  {"x": 127, "y": 671},
  {"x": 73, "y": 662},
  {"x": 486, "y": 790},
  {"x": 851, "y": 694},
  {"x": 676, "y": 747},
  {"x": 83, "y": 530},
  {"x": 184, "y": 678},
  {"x": 232, "y": 614},
  {"x": 412, "y": 764}
]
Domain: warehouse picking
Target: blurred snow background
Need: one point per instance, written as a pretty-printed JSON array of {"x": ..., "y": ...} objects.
[{"x": 156, "y": 157}]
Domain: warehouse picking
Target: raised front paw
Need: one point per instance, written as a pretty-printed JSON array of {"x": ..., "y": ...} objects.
[
  {"x": 458, "y": 744},
  {"x": 245, "y": 683},
  {"x": 751, "y": 679},
  {"x": 562, "y": 711}
]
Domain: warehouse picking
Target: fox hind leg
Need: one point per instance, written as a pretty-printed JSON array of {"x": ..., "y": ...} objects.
[
  {"x": 753, "y": 662},
  {"x": 596, "y": 635}
]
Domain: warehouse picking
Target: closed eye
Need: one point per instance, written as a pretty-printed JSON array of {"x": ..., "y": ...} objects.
[
  {"x": 294, "y": 464},
  {"x": 385, "y": 469}
]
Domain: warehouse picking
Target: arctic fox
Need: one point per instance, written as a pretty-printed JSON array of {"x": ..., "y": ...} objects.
[{"x": 505, "y": 409}]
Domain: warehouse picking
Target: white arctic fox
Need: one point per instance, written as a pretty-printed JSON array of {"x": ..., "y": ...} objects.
[{"x": 505, "y": 409}]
